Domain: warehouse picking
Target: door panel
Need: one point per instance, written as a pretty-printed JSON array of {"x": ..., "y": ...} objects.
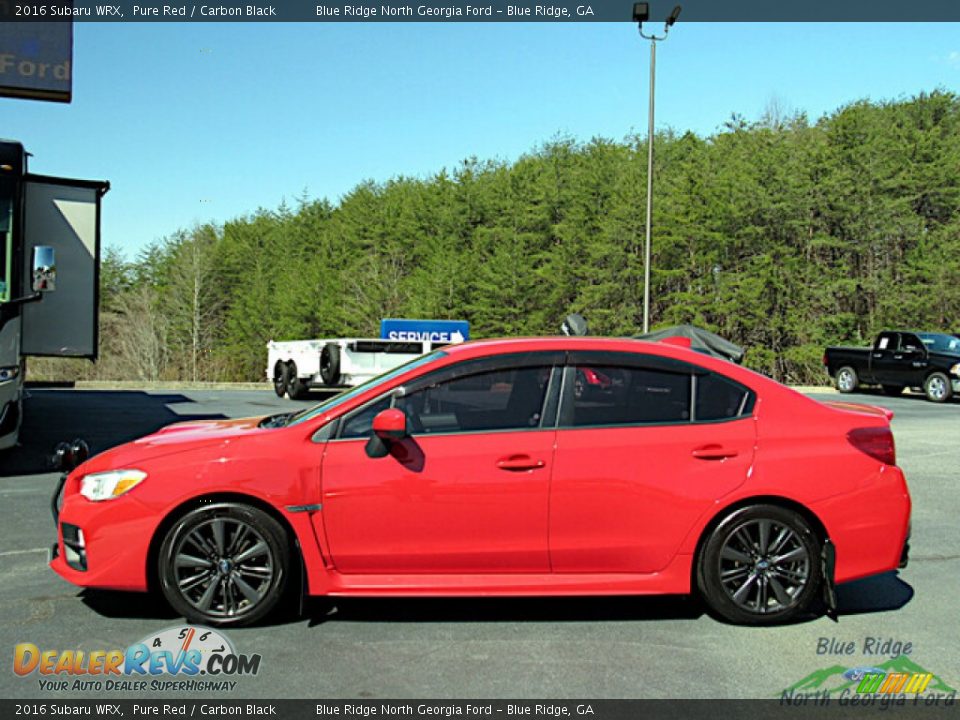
[
  {"x": 640, "y": 458},
  {"x": 624, "y": 498},
  {"x": 462, "y": 503}
]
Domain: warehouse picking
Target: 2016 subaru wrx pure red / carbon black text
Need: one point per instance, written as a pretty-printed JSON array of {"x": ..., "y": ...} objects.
[{"x": 482, "y": 469}]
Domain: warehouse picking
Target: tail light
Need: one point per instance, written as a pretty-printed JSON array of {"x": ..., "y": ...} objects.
[
  {"x": 877, "y": 442},
  {"x": 825, "y": 363}
]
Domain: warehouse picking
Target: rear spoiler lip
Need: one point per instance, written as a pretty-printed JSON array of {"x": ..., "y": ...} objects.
[{"x": 860, "y": 408}]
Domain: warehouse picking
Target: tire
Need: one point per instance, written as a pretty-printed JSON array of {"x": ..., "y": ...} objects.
[
  {"x": 296, "y": 388},
  {"x": 237, "y": 592},
  {"x": 893, "y": 390},
  {"x": 330, "y": 364},
  {"x": 847, "y": 380},
  {"x": 281, "y": 377},
  {"x": 937, "y": 388},
  {"x": 743, "y": 585}
]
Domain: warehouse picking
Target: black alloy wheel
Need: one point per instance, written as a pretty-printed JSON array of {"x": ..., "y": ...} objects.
[
  {"x": 224, "y": 564},
  {"x": 760, "y": 566}
]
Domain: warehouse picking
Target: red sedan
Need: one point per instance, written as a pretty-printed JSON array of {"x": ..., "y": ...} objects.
[{"x": 480, "y": 470}]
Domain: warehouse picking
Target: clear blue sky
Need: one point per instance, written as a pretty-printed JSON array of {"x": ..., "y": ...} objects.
[{"x": 205, "y": 122}]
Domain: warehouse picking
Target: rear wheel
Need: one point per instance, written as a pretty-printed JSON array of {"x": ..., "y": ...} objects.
[
  {"x": 224, "y": 564},
  {"x": 760, "y": 566},
  {"x": 847, "y": 380},
  {"x": 296, "y": 388},
  {"x": 893, "y": 390},
  {"x": 937, "y": 388},
  {"x": 281, "y": 376}
]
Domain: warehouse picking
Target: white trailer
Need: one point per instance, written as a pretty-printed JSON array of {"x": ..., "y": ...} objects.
[{"x": 298, "y": 365}]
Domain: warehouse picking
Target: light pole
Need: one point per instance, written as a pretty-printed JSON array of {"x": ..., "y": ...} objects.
[{"x": 641, "y": 13}]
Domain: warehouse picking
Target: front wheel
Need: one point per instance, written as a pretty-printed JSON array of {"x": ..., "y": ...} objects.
[
  {"x": 224, "y": 564},
  {"x": 937, "y": 388},
  {"x": 760, "y": 566},
  {"x": 847, "y": 380}
]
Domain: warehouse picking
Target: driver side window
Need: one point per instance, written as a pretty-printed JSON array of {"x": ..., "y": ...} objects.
[
  {"x": 501, "y": 399},
  {"x": 359, "y": 423}
]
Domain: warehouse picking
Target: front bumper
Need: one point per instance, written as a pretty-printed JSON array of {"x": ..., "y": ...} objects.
[{"x": 102, "y": 544}]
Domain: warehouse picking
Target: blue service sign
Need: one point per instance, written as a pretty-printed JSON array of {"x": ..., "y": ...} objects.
[{"x": 448, "y": 331}]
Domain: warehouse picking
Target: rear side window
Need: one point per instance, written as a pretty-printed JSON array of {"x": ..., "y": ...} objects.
[
  {"x": 719, "y": 398},
  {"x": 617, "y": 395}
]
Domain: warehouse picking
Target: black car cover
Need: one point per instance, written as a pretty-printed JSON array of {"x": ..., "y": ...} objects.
[{"x": 700, "y": 340}]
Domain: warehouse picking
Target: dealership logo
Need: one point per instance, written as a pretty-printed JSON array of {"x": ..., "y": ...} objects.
[
  {"x": 898, "y": 679},
  {"x": 182, "y": 652}
]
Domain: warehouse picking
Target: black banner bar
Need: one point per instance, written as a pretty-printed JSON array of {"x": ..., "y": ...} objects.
[
  {"x": 808, "y": 706},
  {"x": 480, "y": 11}
]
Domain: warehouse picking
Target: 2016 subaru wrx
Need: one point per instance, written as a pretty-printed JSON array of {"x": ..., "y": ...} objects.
[{"x": 480, "y": 469}]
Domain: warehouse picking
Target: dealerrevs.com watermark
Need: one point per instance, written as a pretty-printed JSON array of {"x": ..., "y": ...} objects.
[{"x": 184, "y": 658}]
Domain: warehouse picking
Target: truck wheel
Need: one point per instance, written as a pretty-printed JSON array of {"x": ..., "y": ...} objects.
[
  {"x": 296, "y": 388},
  {"x": 760, "y": 566},
  {"x": 330, "y": 363},
  {"x": 281, "y": 376},
  {"x": 847, "y": 380},
  {"x": 937, "y": 388},
  {"x": 893, "y": 390}
]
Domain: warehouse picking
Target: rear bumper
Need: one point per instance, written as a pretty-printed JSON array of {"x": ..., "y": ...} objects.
[{"x": 870, "y": 526}]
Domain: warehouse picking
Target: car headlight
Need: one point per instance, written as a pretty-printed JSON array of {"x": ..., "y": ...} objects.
[
  {"x": 9, "y": 372},
  {"x": 111, "y": 484},
  {"x": 955, "y": 370}
]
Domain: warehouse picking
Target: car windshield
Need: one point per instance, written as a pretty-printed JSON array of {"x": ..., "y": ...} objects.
[
  {"x": 939, "y": 342},
  {"x": 336, "y": 400}
]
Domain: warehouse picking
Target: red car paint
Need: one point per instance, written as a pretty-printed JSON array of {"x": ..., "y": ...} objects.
[{"x": 551, "y": 511}]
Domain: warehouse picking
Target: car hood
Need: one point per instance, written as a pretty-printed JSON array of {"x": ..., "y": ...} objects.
[{"x": 175, "y": 438}]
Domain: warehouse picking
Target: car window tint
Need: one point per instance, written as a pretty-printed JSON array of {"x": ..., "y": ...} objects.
[
  {"x": 507, "y": 399},
  {"x": 359, "y": 423},
  {"x": 612, "y": 395},
  {"x": 719, "y": 398}
]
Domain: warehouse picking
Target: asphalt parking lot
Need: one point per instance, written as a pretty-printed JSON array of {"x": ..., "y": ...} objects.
[{"x": 475, "y": 648}]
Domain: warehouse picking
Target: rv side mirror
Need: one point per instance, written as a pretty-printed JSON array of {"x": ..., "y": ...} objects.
[{"x": 44, "y": 269}]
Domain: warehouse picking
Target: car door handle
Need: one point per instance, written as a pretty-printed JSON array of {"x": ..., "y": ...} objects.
[
  {"x": 518, "y": 463},
  {"x": 878, "y": 355},
  {"x": 713, "y": 452}
]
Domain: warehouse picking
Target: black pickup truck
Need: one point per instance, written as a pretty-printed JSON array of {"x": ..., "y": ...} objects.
[{"x": 919, "y": 360}]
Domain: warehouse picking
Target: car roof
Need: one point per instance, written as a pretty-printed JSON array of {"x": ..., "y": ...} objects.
[{"x": 499, "y": 346}]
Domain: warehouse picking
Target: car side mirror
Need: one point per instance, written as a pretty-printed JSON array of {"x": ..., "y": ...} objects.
[
  {"x": 44, "y": 269},
  {"x": 389, "y": 426}
]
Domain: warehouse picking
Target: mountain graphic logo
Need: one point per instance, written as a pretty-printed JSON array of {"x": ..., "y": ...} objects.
[{"x": 833, "y": 680}]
